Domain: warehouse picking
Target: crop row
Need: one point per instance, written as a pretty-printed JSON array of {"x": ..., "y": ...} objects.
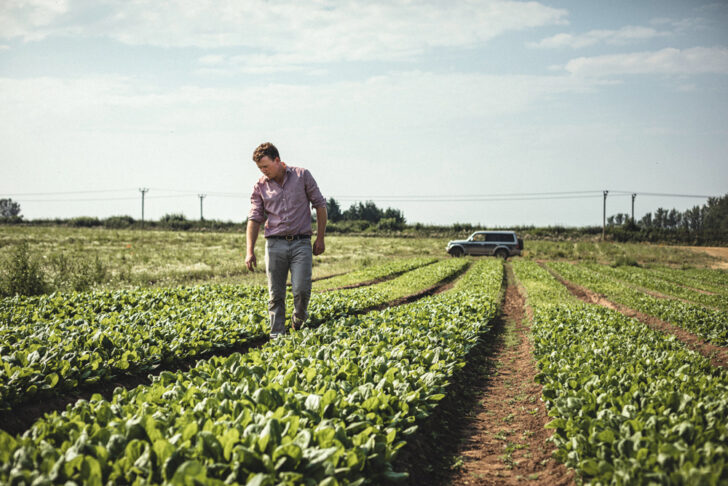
[
  {"x": 96, "y": 336},
  {"x": 630, "y": 405},
  {"x": 372, "y": 273},
  {"x": 715, "y": 276},
  {"x": 714, "y": 281},
  {"x": 330, "y": 405},
  {"x": 347, "y": 301},
  {"x": 650, "y": 280},
  {"x": 711, "y": 324}
]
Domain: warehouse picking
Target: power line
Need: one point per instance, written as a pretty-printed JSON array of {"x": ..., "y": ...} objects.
[
  {"x": 502, "y": 194},
  {"x": 472, "y": 199},
  {"x": 515, "y": 196},
  {"x": 666, "y": 194},
  {"x": 68, "y": 192},
  {"x": 101, "y": 199}
]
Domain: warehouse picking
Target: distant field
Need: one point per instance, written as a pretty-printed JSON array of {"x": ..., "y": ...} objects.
[
  {"x": 609, "y": 252},
  {"x": 164, "y": 258},
  {"x": 133, "y": 258}
]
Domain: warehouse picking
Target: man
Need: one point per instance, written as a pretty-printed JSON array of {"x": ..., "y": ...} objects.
[{"x": 283, "y": 195}]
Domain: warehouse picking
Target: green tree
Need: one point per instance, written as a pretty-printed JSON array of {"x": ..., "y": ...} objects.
[
  {"x": 716, "y": 214},
  {"x": 395, "y": 214},
  {"x": 333, "y": 210},
  {"x": 660, "y": 220},
  {"x": 367, "y": 211},
  {"x": 9, "y": 209},
  {"x": 646, "y": 221}
]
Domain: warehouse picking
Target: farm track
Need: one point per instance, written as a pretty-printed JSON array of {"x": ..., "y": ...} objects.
[
  {"x": 21, "y": 418},
  {"x": 489, "y": 429},
  {"x": 717, "y": 355}
]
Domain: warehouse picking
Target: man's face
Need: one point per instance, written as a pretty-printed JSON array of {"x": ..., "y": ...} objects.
[{"x": 270, "y": 168}]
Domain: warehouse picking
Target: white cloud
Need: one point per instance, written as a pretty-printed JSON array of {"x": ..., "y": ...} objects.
[
  {"x": 412, "y": 99},
  {"x": 693, "y": 60},
  {"x": 30, "y": 19},
  {"x": 681, "y": 26},
  {"x": 289, "y": 32},
  {"x": 622, "y": 36}
]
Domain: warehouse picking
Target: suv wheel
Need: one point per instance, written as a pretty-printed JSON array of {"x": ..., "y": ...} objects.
[
  {"x": 501, "y": 254},
  {"x": 457, "y": 252}
]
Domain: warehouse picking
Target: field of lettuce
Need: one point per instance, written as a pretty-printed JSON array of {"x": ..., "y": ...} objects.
[{"x": 337, "y": 402}]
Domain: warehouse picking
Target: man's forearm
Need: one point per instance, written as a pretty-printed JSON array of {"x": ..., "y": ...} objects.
[
  {"x": 321, "y": 216},
  {"x": 252, "y": 235}
]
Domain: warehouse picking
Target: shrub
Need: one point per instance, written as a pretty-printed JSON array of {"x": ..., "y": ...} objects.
[
  {"x": 390, "y": 224},
  {"x": 175, "y": 221},
  {"x": 172, "y": 217},
  {"x": 625, "y": 261},
  {"x": 85, "y": 222},
  {"x": 22, "y": 273},
  {"x": 87, "y": 273},
  {"x": 118, "y": 222}
]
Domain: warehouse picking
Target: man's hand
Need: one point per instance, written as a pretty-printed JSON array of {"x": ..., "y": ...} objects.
[
  {"x": 251, "y": 235},
  {"x": 250, "y": 261},
  {"x": 318, "y": 246}
]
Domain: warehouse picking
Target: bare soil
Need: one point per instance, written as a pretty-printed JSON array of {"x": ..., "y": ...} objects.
[
  {"x": 490, "y": 428},
  {"x": 717, "y": 355}
]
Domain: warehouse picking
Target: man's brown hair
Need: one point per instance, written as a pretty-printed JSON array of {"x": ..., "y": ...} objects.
[{"x": 265, "y": 149}]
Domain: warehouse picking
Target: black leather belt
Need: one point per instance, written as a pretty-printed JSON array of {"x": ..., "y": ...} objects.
[{"x": 289, "y": 237}]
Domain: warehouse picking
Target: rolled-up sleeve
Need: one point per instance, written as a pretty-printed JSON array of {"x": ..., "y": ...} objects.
[
  {"x": 256, "y": 212},
  {"x": 312, "y": 191}
]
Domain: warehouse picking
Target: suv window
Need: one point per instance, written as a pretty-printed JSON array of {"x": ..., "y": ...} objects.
[
  {"x": 479, "y": 237},
  {"x": 501, "y": 237}
]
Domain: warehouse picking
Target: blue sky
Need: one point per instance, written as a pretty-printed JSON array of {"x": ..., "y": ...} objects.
[{"x": 380, "y": 100}]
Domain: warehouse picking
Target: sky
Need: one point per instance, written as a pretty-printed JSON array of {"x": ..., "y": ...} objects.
[{"x": 489, "y": 112}]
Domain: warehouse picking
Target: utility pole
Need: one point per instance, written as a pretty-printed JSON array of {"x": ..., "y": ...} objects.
[
  {"x": 634, "y": 195},
  {"x": 201, "y": 196},
  {"x": 604, "y": 216},
  {"x": 143, "y": 190}
]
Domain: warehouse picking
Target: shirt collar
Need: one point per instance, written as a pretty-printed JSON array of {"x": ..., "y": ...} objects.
[{"x": 288, "y": 171}]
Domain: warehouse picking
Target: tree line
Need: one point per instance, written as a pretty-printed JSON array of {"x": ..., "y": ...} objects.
[
  {"x": 706, "y": 224},
  {"x": 699, "y": 224},
  {"x": 366, "y": 211}
]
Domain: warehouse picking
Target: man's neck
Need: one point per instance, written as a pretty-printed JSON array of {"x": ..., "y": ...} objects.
[{"x": 280, "y": 177}]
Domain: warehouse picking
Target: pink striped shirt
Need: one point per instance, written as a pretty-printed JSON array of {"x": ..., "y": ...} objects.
[{"x": 286, "y": 206}]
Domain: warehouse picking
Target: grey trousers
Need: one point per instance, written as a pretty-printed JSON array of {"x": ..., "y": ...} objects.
[{"x": 280, "y": 257}]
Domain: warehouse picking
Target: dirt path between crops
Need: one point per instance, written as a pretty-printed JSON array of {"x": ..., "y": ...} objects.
[
  {"x": 489, "y": 429},
  {"x": 717, "y": 355},
  {"x": 507, "y": 440},
  {"x": 24, "y": 415}
]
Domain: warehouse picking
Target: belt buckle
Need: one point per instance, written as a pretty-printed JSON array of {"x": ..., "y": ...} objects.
[{"x": 289, "y": 237}]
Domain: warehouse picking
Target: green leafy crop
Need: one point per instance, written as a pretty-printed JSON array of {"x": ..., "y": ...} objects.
[
  {"x": 330, "y": 405},
  {"x": 630, "y": 405},
  {"x": 711, "y": 324},
  {"x": 54, "y": 343}
]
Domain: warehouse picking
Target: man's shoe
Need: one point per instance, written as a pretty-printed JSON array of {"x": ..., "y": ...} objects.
[{"x": 296, "y": 326}]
